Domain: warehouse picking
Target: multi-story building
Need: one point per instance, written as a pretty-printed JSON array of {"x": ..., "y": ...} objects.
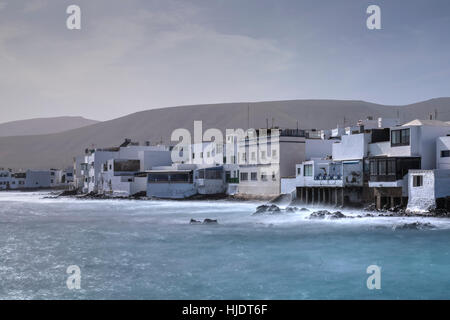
[
  {"x": 265, "y": 156},
  {"x": 411, "y": 146},
  {"x": 5, "y": 179},
  {"x": 342, "y": 178}
]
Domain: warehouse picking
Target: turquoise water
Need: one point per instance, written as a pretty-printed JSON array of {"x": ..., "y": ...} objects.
[{"x": 147, "y": 250}]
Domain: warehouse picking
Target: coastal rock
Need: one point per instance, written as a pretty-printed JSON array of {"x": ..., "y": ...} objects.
[
  {"x": 205, "y": 221},
  {"x": 193, "y": 221},
  {"x": 323, "y": 214},
  {"x": 270, "y": 209},
  {"x": 210, "y": 221},
  {"x": 67, "y": 193},
  {"x": 414, "y": 226},
  {"x": 291, "y": 209}
]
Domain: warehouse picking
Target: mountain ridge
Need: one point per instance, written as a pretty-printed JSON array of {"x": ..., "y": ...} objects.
[{"x": 155, "y": 125}]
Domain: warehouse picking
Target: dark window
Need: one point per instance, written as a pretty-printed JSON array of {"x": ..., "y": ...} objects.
[
  {"x": 254, "y": 176},
  {"x": 264, "y": 177},
  {"x": 400, "y": 137},
  {"x": 391, "y": 167},
  {"x": 299, "y": 171},
  {"x": 445, "y": 153},
  {"x": 244, "y": 176},
  {"x": 382, "y": 167},
  {"x": 417, "y": 181},
  {"x": 373, "y": 168}
]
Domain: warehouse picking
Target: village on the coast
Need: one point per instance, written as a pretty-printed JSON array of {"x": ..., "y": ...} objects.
[{"x": 381, "y": 163}]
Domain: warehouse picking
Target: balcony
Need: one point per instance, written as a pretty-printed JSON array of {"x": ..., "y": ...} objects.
[{"x": 232, "y": 180}]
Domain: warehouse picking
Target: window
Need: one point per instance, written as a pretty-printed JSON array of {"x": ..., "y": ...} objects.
[
  {"x": 373, "y": 168},
  {"x": 274, "y": 153},
  {"x": 391, "y": 167},
  {"x": 254, "y": 176},
  {"x": 445, "y": 153},
  {"x": 264, "y": 177},
  {"x": 274, "y": 177},
  {"x": 193, "y": 156},
  {"x": 308, "y": 170},
  {"x": 299, "y": 171},
  {"x": 382, "y": 167},
  {"x": 243, "y": 157},
  {"x": 417, "y": 181},
  {"x": 244, "y": 176},
  {"x": 400, "y": 137},
  {"x": 253, "y": 155}
]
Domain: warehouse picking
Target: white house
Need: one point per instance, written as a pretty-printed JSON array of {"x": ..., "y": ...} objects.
[
  {"x": 95, "y": 160},
  {"x": 5, "y": 179},
  {"x": 428, "y": 189},
  {"x": 339, "y": 178},
  {"x": 173, "y": 182},
  {"x": 18, "y": 180},
  {"x": 411, "y": 146},
  {"x": 266, "y": 156}
]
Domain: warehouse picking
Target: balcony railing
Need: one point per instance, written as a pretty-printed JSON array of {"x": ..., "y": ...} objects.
[
  {"x": 328, "y": 177},
  {"x": 232, "y": 180}
]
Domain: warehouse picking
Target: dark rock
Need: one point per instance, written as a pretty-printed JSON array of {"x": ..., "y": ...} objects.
[
  {"x": 414, "y": 226},
  {"x": 291, "y": 209},
  {"x": 67, "y": 193},
  {"x": 322, "y": 214},
  {"x": 271, "y": 209},
  {"x": 210, "y": 221},
  {"x": 304, "y": 209},
  {"x": 193, "y": 221}
]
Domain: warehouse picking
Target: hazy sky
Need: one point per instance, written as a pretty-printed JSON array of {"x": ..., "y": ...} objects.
[{"x": 135, "y": 55}]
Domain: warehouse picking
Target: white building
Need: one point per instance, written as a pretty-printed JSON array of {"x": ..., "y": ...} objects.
[
  {"x": 342, "y": 177},
  {"x": 200, "y": 170},
  {"x": 265, "y": 156},
  {"x": 18, "y": 180},
  {"x": 428, "y": 189},
  {"x": 411, "y": 146},
  {"x": 5, "y": 179},
  {"x": 95, "y": 160}
]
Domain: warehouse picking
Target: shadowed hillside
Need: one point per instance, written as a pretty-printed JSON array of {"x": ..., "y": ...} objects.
[
  {"x": 42, "y": 126},
  {"x": 57, "y": 150}
]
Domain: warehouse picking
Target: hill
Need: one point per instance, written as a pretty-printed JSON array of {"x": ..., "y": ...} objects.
[
  {"x": 42, "y": 126},
  {"x": 58, "y": 149}
]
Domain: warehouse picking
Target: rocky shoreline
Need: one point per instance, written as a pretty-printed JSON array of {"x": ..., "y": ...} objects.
[
  {"x": 271, "y": 206},
  {"x": 272, "y": 209}
]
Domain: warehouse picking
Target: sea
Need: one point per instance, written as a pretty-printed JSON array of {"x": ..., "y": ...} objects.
[{"x": 68, "y": 248}]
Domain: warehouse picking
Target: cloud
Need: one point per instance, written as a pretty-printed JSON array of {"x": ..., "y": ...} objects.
[
  {"x": 134, "y": 61},
  {"x": 3, "y": 5}
]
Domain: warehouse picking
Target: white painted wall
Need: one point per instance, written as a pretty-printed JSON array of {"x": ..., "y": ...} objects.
[
  {"x": 38, "y": 179},
  {"x": 442, "y": 143},
  {"x": 318, "y": 148},
  {"x": 351, "y": 147},
  {"x": 436, "y": 184}
]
